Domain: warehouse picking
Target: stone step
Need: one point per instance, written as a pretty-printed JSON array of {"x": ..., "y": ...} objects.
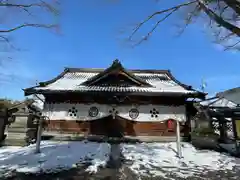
[
  {"x": 15, "y": 135},
  {"x": 16, "y": 131},
  {"x": 13, "y": 142},
  {"x": 14, "y": 139}
]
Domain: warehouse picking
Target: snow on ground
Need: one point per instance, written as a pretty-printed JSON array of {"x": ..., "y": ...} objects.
[
  {"x": 145, "y": 159},
  {"x": 159, "y": 159},
  {"x": 54, "y": 156}
]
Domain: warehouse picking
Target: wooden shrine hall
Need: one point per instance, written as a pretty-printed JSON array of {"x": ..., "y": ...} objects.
[{"x": 117, "y": 102}]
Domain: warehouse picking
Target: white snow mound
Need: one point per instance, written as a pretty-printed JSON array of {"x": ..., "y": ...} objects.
[
  {"x": 54, "y": 156},
  {"x": 159, "y": 159}
]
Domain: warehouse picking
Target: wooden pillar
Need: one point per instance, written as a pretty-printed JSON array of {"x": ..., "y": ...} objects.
[
  {"x": 222, "y": 128},
  {"x": 39, "y": 135},
  {"x": 3, "y": 123},
  {"x": 235, "y": 133},
  {"x": 178, "y": 137}
]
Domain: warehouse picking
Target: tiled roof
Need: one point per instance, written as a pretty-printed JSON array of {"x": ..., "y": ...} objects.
[
  {"x": 218, "y": 102},
  {"x": 231, "y": 95},
  {"x": 71, "y": 81}
]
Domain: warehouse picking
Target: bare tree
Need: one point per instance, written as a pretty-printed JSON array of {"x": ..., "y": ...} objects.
[
  {"x": 18, "y": 14},
  {"x": 223, "y": 18}
]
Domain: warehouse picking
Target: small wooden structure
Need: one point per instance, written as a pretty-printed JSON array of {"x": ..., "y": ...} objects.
[
  {"x": 234, "y": 115},
  {"x": 221, "y": 113},
  {"x": 207, "y": 113},
  {"x": 233, "y": 95}
]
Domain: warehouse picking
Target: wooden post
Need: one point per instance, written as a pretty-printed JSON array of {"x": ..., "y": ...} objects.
[
  {"x": 236, "y": 135},
  {"x": 39, "y": 135},
  {"x": 222, "y": 128},
  {"x": 3, "y": 122},
  {"x": 179, "y": 151}
]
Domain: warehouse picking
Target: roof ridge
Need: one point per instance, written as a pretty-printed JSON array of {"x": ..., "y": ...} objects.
[{"x": 69, "y": 69}]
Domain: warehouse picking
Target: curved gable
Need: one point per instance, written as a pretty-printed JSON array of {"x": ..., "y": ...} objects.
[{"x": 116, "y": 72}]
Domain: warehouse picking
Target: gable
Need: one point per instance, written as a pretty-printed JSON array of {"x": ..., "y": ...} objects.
[
  {"x": 116, "y": 75},
  {"x": 117, "y": 79}
]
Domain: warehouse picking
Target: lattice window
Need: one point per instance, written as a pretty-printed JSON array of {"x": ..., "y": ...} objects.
[
  {"x": 229, "y": 126},
  {"x": 215, "y": 126}
]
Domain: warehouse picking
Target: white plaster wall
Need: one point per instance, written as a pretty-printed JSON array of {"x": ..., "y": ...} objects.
[{"x": 60, "y": 112}]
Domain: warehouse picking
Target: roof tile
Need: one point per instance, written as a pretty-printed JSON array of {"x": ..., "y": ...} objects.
[{"x": 71, "y": 82}]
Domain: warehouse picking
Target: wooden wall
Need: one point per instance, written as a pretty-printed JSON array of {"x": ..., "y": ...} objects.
[
  {"x": 114, "y": 127},
  {"x": 121, "y": 126}
]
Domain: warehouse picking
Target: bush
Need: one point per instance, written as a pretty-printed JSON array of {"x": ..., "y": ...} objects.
[{"x": 204, "y": 132}]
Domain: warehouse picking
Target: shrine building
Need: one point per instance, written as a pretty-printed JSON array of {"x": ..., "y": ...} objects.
[{"x": 116, "y": 102}]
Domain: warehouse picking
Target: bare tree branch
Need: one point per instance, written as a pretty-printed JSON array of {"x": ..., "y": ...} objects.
[
  {"x": 175, "y": 8},
  {"x": 3, "y": 38},
  {"x": 195, "y": 12},
  {"x": 20, "y": 5},
  {"x": 6, "y": 40},
  {"x": 155, "y": 26},
  {"x": 29, "y": 14},
  {"x": 220, "y": 21},
  {"x": 25, "y": 6},
  {"x": 234, "y": 4},
  {"x": 28, "y": 25},
  {"x": 232, "y": 45},
  {"x": 224, "y": 18},
  {"x": 226, "y": 37},
  {"x": 223, "y": 10}
]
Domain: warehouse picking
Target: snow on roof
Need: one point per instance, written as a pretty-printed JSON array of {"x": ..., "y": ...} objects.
[
  {"x": 231, "y": 95},
  {"x": 218, "y": 102},
  {"x": 71, "y": 82}
]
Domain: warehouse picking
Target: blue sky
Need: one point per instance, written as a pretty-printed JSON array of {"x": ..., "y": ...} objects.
[{"x": 92, "y": 37}]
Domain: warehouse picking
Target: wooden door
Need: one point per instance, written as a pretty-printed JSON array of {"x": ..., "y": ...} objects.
[
  {"x": 115, "y": 127},
  {"x": 108, "y": 126}
]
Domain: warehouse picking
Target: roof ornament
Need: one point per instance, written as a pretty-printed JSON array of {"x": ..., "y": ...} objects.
[
  {"x": 203, "y": 85},
  {"x": 116, "y": 63}
]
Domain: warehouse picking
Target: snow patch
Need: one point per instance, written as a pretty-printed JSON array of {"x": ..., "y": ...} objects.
[
  {"x": 54, "y": 156},
  {"x": 159, "y": 159}
]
